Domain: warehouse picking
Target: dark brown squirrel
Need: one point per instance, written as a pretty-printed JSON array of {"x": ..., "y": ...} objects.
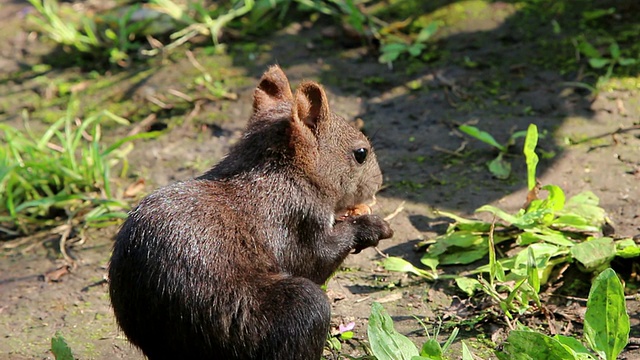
[{"x": 229, "y": 265}]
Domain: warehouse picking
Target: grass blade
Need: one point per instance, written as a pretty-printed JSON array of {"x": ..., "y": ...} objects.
[{"x": 530, "y": 143}]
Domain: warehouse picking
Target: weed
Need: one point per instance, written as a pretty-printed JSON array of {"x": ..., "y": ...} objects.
[
  {"x": 66, "y": 171},
  {"x": 59, "y": 348},
  {"x": 388, "y": 344},
  {"x": 343, "y": 333},
  {"x": 598, "y": 60},
  {"x": 393, "y": 47},
  {"x": 62, "y": 31},
  {"x": 549, "y": 232},
  {"x": 118, "y": 32},
  {"x": 606, "y": 329},
  {"x": 499, "y": 166}
]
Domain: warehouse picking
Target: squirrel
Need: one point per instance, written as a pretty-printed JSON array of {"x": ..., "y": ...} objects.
[{"x": 229, "y": 265}]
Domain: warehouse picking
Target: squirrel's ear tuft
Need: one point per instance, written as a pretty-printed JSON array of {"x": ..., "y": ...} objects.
[
  {"x": 273, "y": 88},
  {"x": 311, "y": 104}
]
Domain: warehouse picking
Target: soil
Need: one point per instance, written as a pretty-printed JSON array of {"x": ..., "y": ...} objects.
[{"x": 486, "y": 75}]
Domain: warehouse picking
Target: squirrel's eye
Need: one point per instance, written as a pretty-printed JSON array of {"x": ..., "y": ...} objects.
[{"x": 360, "y": 155}]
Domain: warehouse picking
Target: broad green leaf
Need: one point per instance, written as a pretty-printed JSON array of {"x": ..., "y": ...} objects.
[
  {"x": 429, "y": 262},
  {"x": 627, "y": 248},
  {"x": 463, "y": 257},
  {"x": 614, "y": 50},
  {"x": 59, "y": 348},
  {"x": 499, "y": 213},
  {"x": 415, "y": 49},
  {"x": 606, "y": 322},
  {"x": 431, "y": 349},
  {"x": 482, "y": 136},
  {"x": 529, "y": 150},
  {"x": 588, "y": 50},
  {"x": 579, "y": 350},
  {"x": 391, "y": 52},
  {"x": 393, "y": 263},
  {"x": 594, "y": 254},
  {"x": 533, "y": 346},
  {"x": 574, "y": 221},
  {"x": 400, "y": 265},
  {"x": 468, "y": 285},
  {"x": 585, "y": 205},
  {"x": 531, "y": 236},
  {"x": 541, "y": 215},
  {"x": 499, "y": 167},
  {"x": 386, "y": 342},
  {"x": 462, "y": 239},
  {"x": 598, "y": 63},
  {"x": 466, "y": 224},
  {"x": 627, "y": 61},
  {"x": 556, "y": 199}
]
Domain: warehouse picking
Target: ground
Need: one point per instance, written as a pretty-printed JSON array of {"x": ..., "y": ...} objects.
[{"x": 411, "y": 112}]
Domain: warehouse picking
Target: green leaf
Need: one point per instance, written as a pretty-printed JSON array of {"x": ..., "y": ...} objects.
[
  {"x": 588, "y": 50},
  {"x": 614, "y": 50},
  {"x": 386, "y": 342},
  {"x": 546, "y": 235},
  {"x": 415, "y": 49},
  {"x": 468, "y": 285},
  {"x": 499, "y": 167},
  {"x": 579, "y": 350},
  {"x": 585, "y": 205},
  {"x": 482, "y": 136},
  {"x": 499, "y": 213},
  {"x": 347, "y": 335},
  {"x": 532, "y": 270},
  {"x": 556, "y": 199},
  {"x": 466, "y": 353},
  {"x": 431, "y": 349},
  {"x": 391, "y": 52},
  {"x": 575, "y": 222},
  {"x": 463, "y": 257},
  {"x": 627, "y": 248},
  {"x": 594, "y": 254},
  {"x": 598, "y": 63},
  {"x": 533, "y": 346},
  {"x": 597, "y": 13},
  {"x": 465, "y": 224},
  {"x": 606, "y": 322},
  {"x": 627, "y": 61},
  {"x": 400, "y": 265},
  {"x": 431, "y": 263},
  {"x": 462, "y": 239},
  {"x": 59, "y": 348},
  {"x": 427, "y": 32},
  {"x": 450, "y": 340},
  {"x": 529, "y": 150}
]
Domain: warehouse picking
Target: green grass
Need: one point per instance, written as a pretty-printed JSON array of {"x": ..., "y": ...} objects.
[{"x": 63, "y": 174}]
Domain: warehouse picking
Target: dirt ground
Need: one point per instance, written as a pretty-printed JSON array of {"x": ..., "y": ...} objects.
[{"x": 410, "y": 112}]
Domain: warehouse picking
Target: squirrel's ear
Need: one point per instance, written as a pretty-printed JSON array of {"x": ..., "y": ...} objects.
[
  {"x": 310, "y": 105},
  {"x": 273, "y": 88}
]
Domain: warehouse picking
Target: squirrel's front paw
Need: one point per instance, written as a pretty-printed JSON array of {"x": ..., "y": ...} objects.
[{"x": 371, "y": 229}]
